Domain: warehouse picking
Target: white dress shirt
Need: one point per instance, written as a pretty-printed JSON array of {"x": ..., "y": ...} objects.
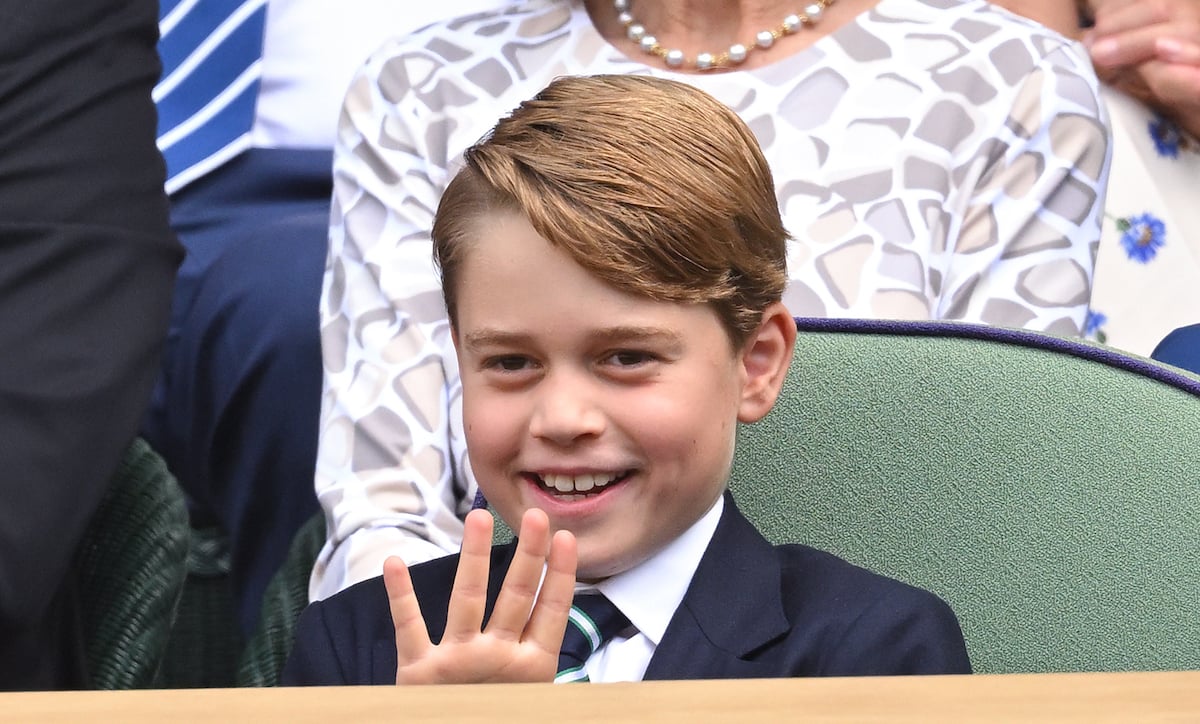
[
  {"x": 648, "y": 595},
  {"x": 311, "y": 50}
]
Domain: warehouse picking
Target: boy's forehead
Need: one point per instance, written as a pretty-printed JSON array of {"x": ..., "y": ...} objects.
[{"x": 515, "y": 286}]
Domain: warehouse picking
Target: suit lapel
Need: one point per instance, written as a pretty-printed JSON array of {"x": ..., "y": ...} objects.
[{"x": 732, "y": 607}]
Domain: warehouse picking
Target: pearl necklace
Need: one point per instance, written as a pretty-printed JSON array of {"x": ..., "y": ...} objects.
[{"x": 736, "y": 53}]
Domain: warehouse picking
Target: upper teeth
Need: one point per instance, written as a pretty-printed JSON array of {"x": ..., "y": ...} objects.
[{"x": 579, "y": 483}]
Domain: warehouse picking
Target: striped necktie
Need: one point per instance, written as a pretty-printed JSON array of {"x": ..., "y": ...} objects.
[
  {"x": 593, "y": 620},
  {"x": 211, "y": 53}
]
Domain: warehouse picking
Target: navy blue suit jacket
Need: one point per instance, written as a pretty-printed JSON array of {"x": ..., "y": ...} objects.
[
  {"x": 1181, "y": 348},
  {"x": 753, "y": 610}
]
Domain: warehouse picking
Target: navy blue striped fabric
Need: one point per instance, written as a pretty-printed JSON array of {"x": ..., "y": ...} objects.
[{"x": 211, "y": 52}]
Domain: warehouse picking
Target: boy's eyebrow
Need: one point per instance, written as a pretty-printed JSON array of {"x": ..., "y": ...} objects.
[
  {"x": 639, "y": 334},
  {"x": 493, "y": 338},
  {"x": 623, "y": 334}
]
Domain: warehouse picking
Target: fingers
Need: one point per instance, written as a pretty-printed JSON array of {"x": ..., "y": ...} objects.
[
  {"x": 1175, "y": 91},
  {"x": 1170, "y": 89},
  {"x": 468, "y": 597},
  {"x": 1141, "y": 45},
  {"x": 1132, "y": 33},
  {"x": 1174, "y": 84},
  {"x": 1113, "y": 18},
  {"x": 412, "y": 637},
  {"x": 1177, "y": 50},
  {"x": 1128, "y": 48},
  {"x": 1151, "y": 51},
  {"x": 518, "y": 645},
  {"x": 549, "y": 616},
  {"x": 523, "y": 578}
]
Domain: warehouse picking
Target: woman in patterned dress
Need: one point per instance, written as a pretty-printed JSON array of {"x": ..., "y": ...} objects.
[{"x": 1148, "y": 266}]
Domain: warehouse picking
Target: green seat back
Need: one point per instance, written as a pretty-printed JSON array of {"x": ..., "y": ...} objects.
[
  {"x": 131, "y": 565},
  {"x": 1049, "y": 490},
  {"x": 205, "y": 641},
  {"x": 285, "y": 598}
]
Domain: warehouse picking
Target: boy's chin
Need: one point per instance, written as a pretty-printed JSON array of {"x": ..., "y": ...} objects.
[
  {"x": 594, "y": 576},
  {"x": 593, "y": 569}
]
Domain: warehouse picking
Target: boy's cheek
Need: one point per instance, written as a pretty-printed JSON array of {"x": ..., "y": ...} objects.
[{"x": 488, "y": 419}]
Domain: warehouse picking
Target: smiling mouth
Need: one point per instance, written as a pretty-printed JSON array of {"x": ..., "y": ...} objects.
[{"x": 578, "y": 485}]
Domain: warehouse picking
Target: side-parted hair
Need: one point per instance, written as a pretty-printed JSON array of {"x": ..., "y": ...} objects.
[{"x": 653, "y": 186}]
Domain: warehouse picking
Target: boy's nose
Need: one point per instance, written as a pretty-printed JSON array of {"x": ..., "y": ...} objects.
[{"x": 566, "y": 410}]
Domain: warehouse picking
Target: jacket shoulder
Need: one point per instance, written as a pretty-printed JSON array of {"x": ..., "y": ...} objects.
[{"x": 867, "y": 623}]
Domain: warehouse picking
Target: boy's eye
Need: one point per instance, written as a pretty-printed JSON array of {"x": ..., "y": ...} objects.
[
  {"x": 507, "y": 363},
  {"x": 630, "y": 358}
]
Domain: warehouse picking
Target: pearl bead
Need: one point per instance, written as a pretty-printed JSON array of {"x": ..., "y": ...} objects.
[{"x": 734, "y": 55}]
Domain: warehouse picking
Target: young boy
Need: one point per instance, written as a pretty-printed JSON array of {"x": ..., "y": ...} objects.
[{"x": 612, "y": 261}]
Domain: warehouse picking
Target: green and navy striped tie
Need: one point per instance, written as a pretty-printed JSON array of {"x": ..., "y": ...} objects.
[{"x": 592, "y": 621}]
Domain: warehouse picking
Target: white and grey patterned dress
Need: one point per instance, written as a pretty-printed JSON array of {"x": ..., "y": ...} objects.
[{"x": 934, "y": 159}]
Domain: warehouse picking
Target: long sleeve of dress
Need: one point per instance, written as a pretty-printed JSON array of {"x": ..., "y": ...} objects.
[
  {"x": 1023, "y": 241},
  {"x": 387, "y": 474}
]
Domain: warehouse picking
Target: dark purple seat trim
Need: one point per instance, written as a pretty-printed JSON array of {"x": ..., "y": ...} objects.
[{"x": 962, "y": 330}]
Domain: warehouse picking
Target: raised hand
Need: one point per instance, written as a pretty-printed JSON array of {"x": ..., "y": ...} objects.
[
  {"x": 1130, "y": 33},
  {"x": 1150, "y": 49},
  {"x": 523, "y": 635}
]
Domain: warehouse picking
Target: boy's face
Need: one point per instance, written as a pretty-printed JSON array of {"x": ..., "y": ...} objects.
[{"x": 613, "y": 413}]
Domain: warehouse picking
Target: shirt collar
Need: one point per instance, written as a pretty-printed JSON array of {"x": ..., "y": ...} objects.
[{"x": 649, "y": 593}]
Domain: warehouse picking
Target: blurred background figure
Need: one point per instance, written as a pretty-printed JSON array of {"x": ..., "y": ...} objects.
[
  {"x": 87, "y": 260},
  {"x": 1148, "y": 269},
  {"x": 1148, "y": 266}
]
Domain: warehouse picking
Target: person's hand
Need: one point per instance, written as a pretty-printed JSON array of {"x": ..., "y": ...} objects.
[
  {"x": 1150, "y": 49},
  {"x": 525, "y": 631}
]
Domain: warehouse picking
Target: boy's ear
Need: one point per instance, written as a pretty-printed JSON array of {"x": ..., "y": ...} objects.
[{"x": 765, "y": 360}]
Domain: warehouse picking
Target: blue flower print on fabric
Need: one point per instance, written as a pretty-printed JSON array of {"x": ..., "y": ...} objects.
[
  {"x": 1142, "y": 236},
  {"x": 1169, "y": 138},
  {"x": 1093, "y": 326}
]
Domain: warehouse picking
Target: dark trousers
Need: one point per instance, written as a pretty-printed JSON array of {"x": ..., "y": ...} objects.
[
  {"x": 86, "y": 265},
  {"x": 235, "y": 412}
]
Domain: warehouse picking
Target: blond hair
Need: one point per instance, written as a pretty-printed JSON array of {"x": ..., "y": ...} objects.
[{"x": 651, "y": 185}]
